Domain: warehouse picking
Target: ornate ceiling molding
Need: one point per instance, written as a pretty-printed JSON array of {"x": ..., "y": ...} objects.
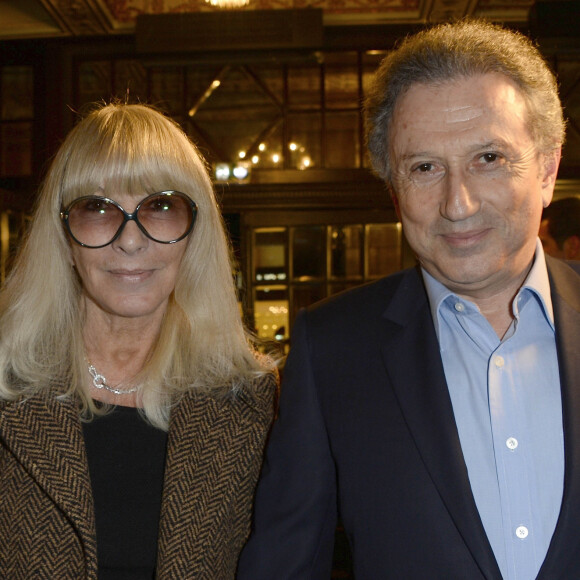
[
  {"x": 81, "y": 17},
  {"x": 47, "y": 18}
]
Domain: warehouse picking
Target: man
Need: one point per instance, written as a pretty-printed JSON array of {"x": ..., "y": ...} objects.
[
  {"x": 560, "y": 229},
  {"x": 438, "y": 410}
]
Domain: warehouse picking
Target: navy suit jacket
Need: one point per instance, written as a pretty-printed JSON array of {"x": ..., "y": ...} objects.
[{"x": 366, "y": 429}]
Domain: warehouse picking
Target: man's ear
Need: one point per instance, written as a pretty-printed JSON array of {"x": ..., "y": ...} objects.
[{"x": 551, "y": 164}]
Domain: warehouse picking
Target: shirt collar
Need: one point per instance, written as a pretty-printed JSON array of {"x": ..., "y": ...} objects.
[
  {"x": 536, "y": 282},
  {"x": 539, "y": 283}
]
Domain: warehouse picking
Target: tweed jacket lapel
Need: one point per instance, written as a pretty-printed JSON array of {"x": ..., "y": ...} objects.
[
  {"x": 44, "y": 435},
  {"x": 213, "y": 459},
  {"x": 424, "y": 398}
]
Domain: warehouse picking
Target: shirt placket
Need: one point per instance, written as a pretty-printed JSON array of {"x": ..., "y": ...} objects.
[{"x": 511, "y": 449}]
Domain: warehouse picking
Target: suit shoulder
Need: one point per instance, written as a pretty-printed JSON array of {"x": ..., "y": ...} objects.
[
  {"x": 556, "y": 265},
  {"x": 367, "y": 298},
  {"x": 563, "y": 272},
  {"x": 575, "y": 265}
]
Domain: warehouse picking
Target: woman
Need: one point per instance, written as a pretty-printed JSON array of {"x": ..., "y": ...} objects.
[{"x": 133, "y": 408}]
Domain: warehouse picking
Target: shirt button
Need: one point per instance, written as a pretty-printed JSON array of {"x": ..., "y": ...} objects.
[
  {"x": 499, "y": 361},
  {"x": 459, "y": 307},
  {"x": 511, "y": 443},
  {"x": 522, "y": 532}
]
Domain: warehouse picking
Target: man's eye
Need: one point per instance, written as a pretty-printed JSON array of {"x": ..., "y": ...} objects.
[
  {"x": 424, "y": 167},
  {"x": 489, "y": 157}
]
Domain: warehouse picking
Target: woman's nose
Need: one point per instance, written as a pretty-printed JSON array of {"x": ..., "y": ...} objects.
[{"x": 132, "y": 239}]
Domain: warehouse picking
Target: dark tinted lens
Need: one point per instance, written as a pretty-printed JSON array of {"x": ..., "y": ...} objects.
[
  {"x": 167, "y": 217},
  {"x": 94, "y": 221}
]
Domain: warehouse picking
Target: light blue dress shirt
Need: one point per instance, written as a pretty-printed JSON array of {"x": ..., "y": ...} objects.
[{"x": 508, "y": 409}]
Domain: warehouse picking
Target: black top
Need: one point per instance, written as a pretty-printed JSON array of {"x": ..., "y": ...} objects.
[{"x": 126, "y": 463}]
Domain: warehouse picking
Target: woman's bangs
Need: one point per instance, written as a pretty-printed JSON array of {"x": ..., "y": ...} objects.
[
  {"x": 89, "y": 168},
  {"x": 129, "y": 169}
]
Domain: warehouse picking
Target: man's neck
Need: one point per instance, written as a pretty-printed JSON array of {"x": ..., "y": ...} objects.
[{"x": 497, "y": 307}]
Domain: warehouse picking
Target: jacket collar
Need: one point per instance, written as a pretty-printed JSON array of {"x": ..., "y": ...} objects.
[
  {"x": 44, "y": 434},
  {"x": 565, "y": 546},
  {"x": 424, "y": 399},
  {"x": 211, "y": 437}
]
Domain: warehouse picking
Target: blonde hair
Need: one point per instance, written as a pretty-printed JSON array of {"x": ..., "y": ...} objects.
[{"x": 202, "y": 342}]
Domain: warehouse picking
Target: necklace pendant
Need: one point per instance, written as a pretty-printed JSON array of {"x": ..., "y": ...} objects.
[{"x": 100, "y": 382}]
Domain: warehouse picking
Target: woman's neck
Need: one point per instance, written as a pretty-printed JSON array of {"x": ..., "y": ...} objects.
[{"x": 118, "y": 349}]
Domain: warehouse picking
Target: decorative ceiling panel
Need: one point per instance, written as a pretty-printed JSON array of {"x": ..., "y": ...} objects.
[
  {"x": 344, "y": 11},
  {"x": 506, "y": 10},
  {"x": 46, "y": 18}
]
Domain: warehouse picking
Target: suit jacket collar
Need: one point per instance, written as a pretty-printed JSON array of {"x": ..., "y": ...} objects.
[
  {"x": 424, "y": 399},
  {"x": 565, "y": 546}
]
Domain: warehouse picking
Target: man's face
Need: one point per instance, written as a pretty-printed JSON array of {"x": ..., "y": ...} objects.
[{"x": 469, "y": 182}]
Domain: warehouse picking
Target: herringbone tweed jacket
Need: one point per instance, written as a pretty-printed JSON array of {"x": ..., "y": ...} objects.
[{"x": 47, "y": 522}]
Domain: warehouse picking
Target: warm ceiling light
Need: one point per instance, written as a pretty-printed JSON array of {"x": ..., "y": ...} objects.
[
  {"x": 212, "y": 87},
  {"x": 228, "y": 3}
]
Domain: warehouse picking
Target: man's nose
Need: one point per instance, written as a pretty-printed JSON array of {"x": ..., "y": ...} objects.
[{"x": 459, "y": 200}]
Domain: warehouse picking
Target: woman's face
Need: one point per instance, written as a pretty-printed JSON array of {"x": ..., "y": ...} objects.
[{"x": 133, "y": 276}]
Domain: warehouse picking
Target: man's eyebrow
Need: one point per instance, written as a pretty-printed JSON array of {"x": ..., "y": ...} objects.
[
  {"x": 495, "y": 144},
  {"x": 418, "y": 154},
  {"x": 491, "y": 145}
]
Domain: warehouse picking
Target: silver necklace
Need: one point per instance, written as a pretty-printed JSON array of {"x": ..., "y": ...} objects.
[{"x": 100, "y": 382}]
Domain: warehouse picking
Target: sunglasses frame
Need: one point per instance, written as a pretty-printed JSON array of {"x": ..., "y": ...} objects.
[{"x": 127, "y": 217}]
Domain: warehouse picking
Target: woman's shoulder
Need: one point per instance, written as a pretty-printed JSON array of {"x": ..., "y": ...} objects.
[
  {"x": 247, "y": 395},
  {"x": 261, "y": 392}
]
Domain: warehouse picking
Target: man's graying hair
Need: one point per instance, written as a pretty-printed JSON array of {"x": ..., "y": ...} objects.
[{"x": 459, "y": 50}]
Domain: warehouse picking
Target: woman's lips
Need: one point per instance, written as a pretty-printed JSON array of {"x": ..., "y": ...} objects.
[{"x": 131, "y": 275}]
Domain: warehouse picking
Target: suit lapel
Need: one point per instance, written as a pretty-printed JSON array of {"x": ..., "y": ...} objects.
[
  {"x": 565, "y": 545},
  {"x": 214, "y": 446},
  {"x": 45, "y": 436},
  {"x": 424, "y": 399},
  {"x": 195, "y": 422}
]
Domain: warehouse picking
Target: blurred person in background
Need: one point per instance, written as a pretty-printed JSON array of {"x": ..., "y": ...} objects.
[{"x": 560, "y": 228}]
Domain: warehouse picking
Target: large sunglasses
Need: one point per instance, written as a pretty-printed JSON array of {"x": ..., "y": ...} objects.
[{"x": 165, "y": 217}]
